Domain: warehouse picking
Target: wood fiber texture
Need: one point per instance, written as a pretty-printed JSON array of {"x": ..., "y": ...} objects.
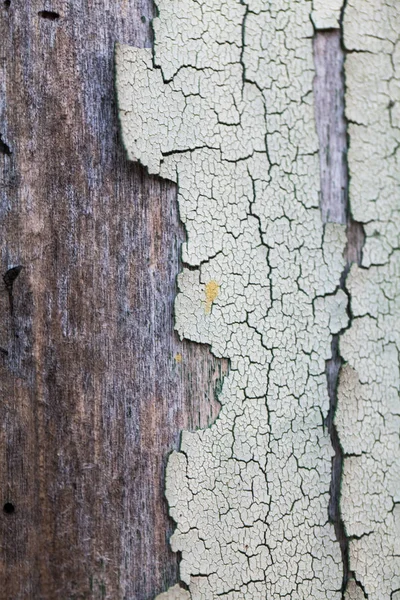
[{"x": 95, "y": 385}]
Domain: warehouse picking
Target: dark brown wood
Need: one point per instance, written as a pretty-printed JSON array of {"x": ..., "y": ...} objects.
[{"x": 95, "y": 386}]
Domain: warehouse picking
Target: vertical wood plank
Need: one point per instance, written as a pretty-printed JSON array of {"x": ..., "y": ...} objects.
[{"x": 95, "y": 386}]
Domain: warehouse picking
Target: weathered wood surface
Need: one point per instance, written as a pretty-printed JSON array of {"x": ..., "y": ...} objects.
[
  {"x": 95, "y": 385},
  {"x": 331, "y": 125}
]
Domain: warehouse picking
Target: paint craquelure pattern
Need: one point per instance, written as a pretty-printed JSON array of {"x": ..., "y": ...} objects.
[
  {"x": 223, "y": 106},
  {"x": 368, "y": 416}
]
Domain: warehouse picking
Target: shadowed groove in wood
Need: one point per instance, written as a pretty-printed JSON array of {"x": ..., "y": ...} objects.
[
  {"x": 93, "y": 392},
  {"x": 329, "y": 93}
]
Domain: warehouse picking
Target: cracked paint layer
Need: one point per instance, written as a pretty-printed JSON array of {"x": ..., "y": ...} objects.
[
  {"x": 224, "y": 108},
  {"x": 174, "y": 593},
  {"x": 368, "y": 415},
  {"x": 326, "y": 14}
]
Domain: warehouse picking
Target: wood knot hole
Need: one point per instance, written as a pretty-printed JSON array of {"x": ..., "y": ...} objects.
[
  {"x": 49, "y": 14},
  {"x": 9, "y": 508}
]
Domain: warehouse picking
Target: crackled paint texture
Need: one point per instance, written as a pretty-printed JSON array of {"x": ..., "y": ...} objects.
[
  {"x": 368, "y": 416},
  {"x": 223, "y": 106},
  {"x": 326, "y": 14}
]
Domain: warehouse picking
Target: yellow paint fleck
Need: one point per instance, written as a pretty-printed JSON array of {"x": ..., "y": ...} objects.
[
  {"x": 178, "y": 357},
  {"x": 212, "y": 290}
]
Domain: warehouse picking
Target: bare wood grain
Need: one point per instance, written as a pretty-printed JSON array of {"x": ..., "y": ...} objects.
[
  {"x": 95, "y": 386},
  {"x": 331, "y": 125}
]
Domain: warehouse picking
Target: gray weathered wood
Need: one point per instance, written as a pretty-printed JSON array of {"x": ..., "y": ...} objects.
[
  {"x": 331, "y": 125},
  {"x": 93, "y": 394}
]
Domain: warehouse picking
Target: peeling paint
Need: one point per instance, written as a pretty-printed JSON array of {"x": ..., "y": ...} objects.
[
  {"x": 174, "y": 593},
  {"x": 223, "y": 106},
  {"x": 326, "y": 14},
  {"x": 368, "y": 416}
]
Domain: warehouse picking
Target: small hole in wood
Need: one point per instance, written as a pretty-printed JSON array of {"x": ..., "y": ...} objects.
[
  {"x": 9, "y": 508},
  {"x": 11, "y": 275},
  {"x": 7, "y": 3},
  {"x": 4, "y": 148},
  {"x": 143, "y": 19},
  {"x": 49, "y": 14}
]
